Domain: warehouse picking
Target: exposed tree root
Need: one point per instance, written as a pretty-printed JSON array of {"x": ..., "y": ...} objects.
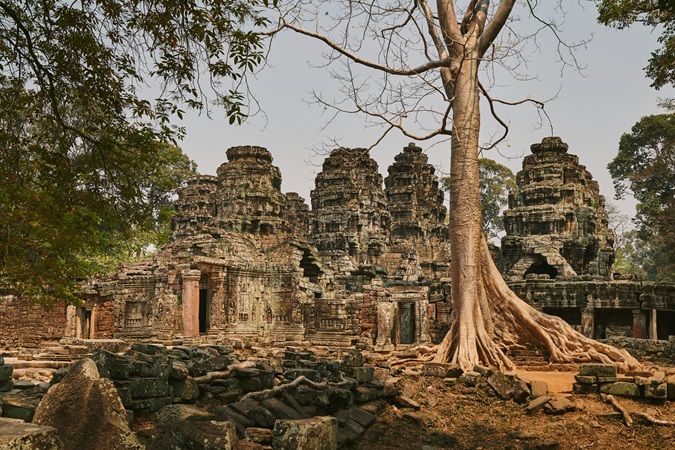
[
  {"x": 498, "y": 320},
  {"x": 323, "y": 385},
  {"x": 612, "y": 401}
]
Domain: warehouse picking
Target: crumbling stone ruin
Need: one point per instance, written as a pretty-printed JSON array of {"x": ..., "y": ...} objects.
[
  {"x": 367, "y": 264},
  {"x": 556, "y": 224}
]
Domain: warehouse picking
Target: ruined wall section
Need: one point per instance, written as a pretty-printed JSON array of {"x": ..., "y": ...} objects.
[
  {"x": 556, "y": 224},
  {"x": 195, "y": 205},
  {"x": 24, "y": 323},
  {"x": 349, "y": 215},
  {"x": 418, "y": 233}
]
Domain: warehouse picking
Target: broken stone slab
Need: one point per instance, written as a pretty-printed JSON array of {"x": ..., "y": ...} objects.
[
  {"x": 260, "y": 416},
  {"x": 472, "y": 378},
  {"x": 361, "y": 374},
  {"x": 87, "y": 411},
  {"x": 586, "y": 379},
  {"x": 262, "y": 436},
  {"x": 111, "y": 365},
  {"x": 537, "y": 404},
  {"x": 363, "y": 394},
  {"x": 16, "y": 405},
  {"x": 621, "y": 389},
  {"x": 597, "y": 370},
  {"x": 149, "y": 349},
  {"x": 6, "y": 386},
  {"x": 310, "y": 374},
  {"x": 353, "y": 359},
  {"x": 187, "y": 389},
  {"x": 441, "y": 370},
  {"x": 361, "y": 416},
  {"x": 485, "y": 371},
  {"x": 16, "y": 434},
  {"x": 521, "y": 392},
  {"x": 500, "y": 384},
  {"x": 559, "y": 406},
  {"x": 585, "y": 389},
  {"x": 539, "y": 388},
  {"x": 181, "y": 413},
  {"x": 317, "y": 433},
  {"x": 6, "y": 372},
  {"x": 406, "y": 402},
  {"x": 282, "y": 410},
  {"x": 146, "y": 387},
  {"x": 656, "y": 391},
  {"x": 202, "y": 435}
]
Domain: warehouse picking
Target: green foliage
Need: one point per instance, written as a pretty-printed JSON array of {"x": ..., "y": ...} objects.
[
  {"x": 645, "y": 166},
  {"x": 496, "y": 181},
  {"x": 651, "y": 13},
  {"x": 86, "y": 165}
]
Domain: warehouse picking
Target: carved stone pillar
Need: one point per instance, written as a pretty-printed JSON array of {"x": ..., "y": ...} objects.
[
  {"x": 191, "y": 303},
  {"x": 587, "y": 322},
  {"x": 639, "y": 324},
  {"x": 653, "y": 331},
  {"x": 71, "y": 321},
  {"x": 217, "y": 302},
  {"x": 386, "y": 312}
]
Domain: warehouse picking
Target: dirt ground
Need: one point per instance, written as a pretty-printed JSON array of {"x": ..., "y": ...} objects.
[{"x": 453, "y": 416}]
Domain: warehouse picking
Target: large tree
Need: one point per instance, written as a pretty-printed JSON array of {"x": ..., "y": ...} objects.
[
  {"x": 651, "y": 13},
  {"x": 496, "y": 181},
  {"x": 88, "y": 94},
  {"x": 645, "y": 166},
  {"x": 415, "y": 50}
]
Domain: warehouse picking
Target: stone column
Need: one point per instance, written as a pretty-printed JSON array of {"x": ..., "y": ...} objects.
[
  {"x": 71, "y": 321},
  {"x": 217, "y": 302},
  {"x": 191, "y": 303},
  {"x": 639, "y": 324},
  {"x": 588, "y": 322},
  {"x": 422, "y": 322},
  {"x": 385, "y": 322},
  {"x": 653, "y": 332}
]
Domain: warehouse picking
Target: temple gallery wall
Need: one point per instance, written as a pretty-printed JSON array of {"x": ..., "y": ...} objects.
[{"x": 368, "y": 262}]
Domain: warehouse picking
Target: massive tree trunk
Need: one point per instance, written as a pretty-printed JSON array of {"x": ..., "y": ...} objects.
[{"x": 487, "y": 317}]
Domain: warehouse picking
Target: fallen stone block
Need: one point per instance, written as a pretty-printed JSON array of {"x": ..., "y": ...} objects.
[
  {"x": 539, "y": 388},
  {"x": 597, "y": 370},
  {"x": 87, "y": 411},
  {"x": 317, "y": 433},
  {"x": 205, "y": 435},
  {"x": 621, "y": 389},
  {"x": 500, "y": 385},
  {"x": 18, "y": 406},
  {"x": 586, "y": 379},
  {"x": 16, "y": 434},
  {"x": 406, "y": 402},
  {"x": 260, "y": 416},
  {"x": 559, "y": 406},
  {"x": 260, "y": 435},
  {"x": 361, "y": 416},
  {"x": 282, "y": 410},
  {"x": 585, "y": 389},
  {"x": 441, "y": 370},
  {"x": 521, "y": 392},
  {"x": 472, "y": 378},
  {"x": 361, "y": 374},
  {"x": 537, "y": 404},
  {"x": 181, "y": 413},
  {"x": 657, "y": 391}
]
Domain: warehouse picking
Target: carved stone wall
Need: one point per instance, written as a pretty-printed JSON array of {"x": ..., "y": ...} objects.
[
  {"x": 24, "y": 323},
  {"x": 195, "y": 205},
  {"x": 556, "y": 224}
]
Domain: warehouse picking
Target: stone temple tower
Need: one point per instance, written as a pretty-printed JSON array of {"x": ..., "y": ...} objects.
[
  {"x": 349, "y": 208},
  {"x": 249, "y": 198},
  {"x": 195, "y": 205},
  {"x": 415, "y": 202},
  {"x": 556, "y": 224}
]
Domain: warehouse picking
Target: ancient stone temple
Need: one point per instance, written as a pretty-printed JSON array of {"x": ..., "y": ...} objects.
[
  {"x": 556, "y": 224},
  {"x": 366, "y": 264}
]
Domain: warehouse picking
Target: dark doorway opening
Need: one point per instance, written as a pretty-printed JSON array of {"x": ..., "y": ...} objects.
[
  {"x": 204, "y": 310},
  {"x": 541, "y": 267},
  {"x": 406, "y": 323}
]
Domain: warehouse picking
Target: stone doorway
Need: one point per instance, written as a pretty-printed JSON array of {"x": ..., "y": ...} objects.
[
  {"x": 406, "y": 323},
  {"x": 204, "y": 311}
]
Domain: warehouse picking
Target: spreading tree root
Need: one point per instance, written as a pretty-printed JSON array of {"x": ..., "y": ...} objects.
[
  {"x": 498, "y": 320},
  {"x": 301, "y": 380}
]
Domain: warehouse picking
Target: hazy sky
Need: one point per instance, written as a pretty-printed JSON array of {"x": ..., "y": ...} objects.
[{"x": 592, "y": 109}]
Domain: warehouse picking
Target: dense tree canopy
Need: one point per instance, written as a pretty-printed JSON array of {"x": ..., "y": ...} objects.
[
  {"x": 84, "y": 159},
  {"x": 645, "y": 166},
  {"x": 651, "y": 13},
  {"x": 496, "y": 181}
]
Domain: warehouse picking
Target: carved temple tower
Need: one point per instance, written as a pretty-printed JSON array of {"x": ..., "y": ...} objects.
[{"x": 556, "y": 224}]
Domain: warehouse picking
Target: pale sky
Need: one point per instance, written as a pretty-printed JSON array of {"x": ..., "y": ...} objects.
[{"x": 591, "y": 112}]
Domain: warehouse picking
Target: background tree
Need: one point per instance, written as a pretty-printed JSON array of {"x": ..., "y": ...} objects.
[
  {"x": 652, "y": 13},
  {"x": 645, "y": 167},
  {"x": 392, "y": 58},
  {"x": 496, "y": 181},
  {"x": 84, "y": 162}
]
